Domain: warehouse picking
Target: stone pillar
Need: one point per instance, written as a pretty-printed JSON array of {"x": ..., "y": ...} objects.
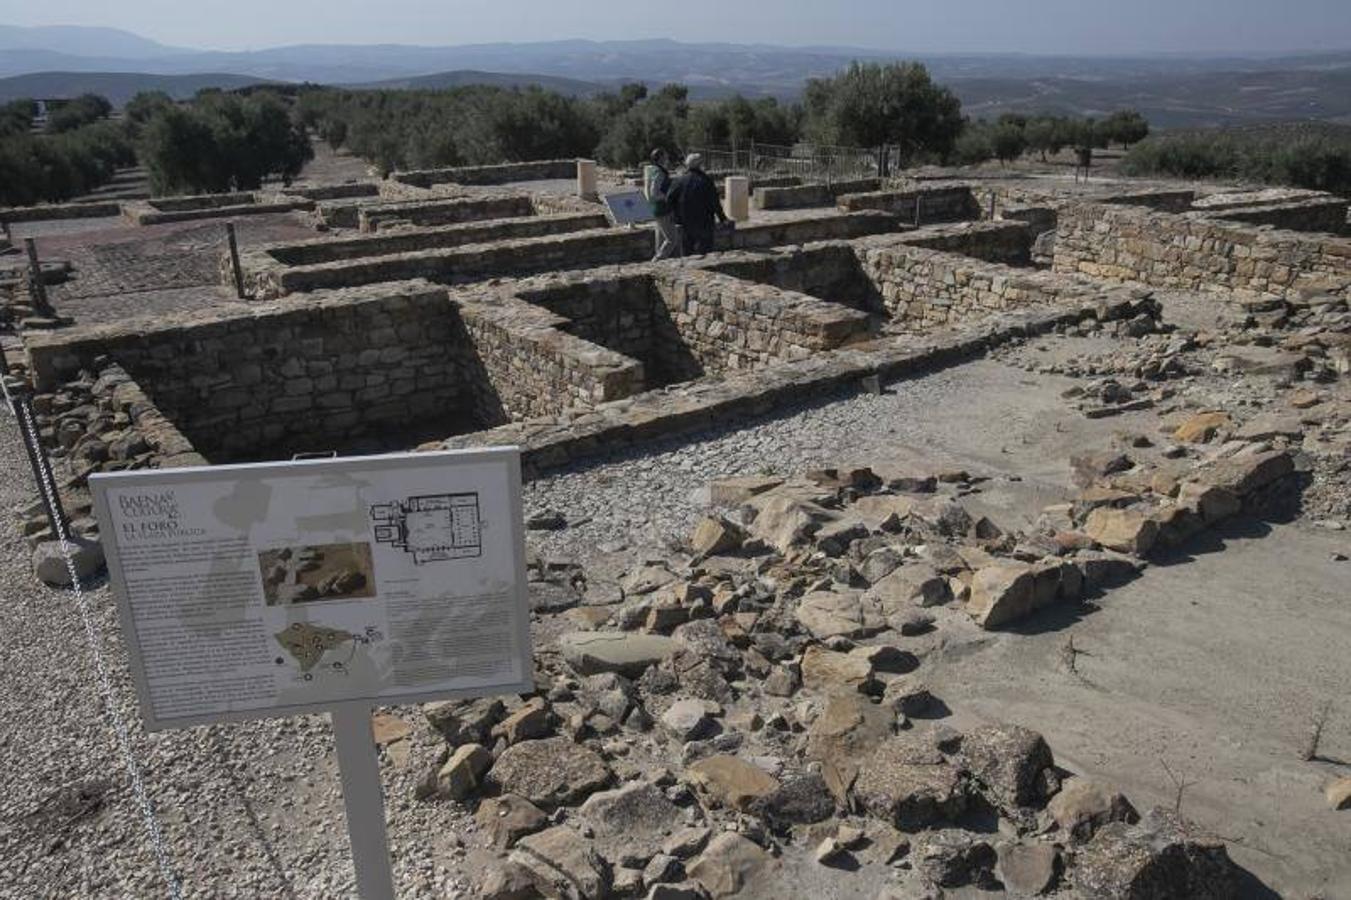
[
  {"x": 738, "y": 197},
  {"x": 586, "y": 179}
]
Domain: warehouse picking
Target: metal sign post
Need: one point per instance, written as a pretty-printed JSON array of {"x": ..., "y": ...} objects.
[{"x": 365, "y": 802}]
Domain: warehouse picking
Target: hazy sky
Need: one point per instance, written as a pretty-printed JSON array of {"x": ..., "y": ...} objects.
[{"x": 1036, "y": 26}]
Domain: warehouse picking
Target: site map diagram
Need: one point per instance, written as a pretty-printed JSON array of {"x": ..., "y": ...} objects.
[{"x": 431, "y": 527}]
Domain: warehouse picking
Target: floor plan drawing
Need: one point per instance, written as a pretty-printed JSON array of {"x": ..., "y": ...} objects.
[{"x": 433, "y": 527}]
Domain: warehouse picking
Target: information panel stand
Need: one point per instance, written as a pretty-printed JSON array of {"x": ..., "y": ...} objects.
[
  {"x": 331, "y": 585},
  {"x": 364, "y": 799}
]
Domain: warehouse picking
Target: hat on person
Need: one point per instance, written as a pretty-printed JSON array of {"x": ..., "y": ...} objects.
[{"x": 693, "y": 161}]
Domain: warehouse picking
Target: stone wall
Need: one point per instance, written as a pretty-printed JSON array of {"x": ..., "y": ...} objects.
[
  {"x": 684, "y": 324},
  {"x": 537, "y": 170},
  {"x": 457, "y": 265},
  {"x": 810, "y": 194},
  {"x": 1197, "y": 253},
  {"x": 828, "y": 226},
  {"x": 54, "y": 211},
  {"x": 729, "y": 325},
  {"x": 1319, "y": 215},
  {"x": 336, "y": 191},
  {"x": 210, "y": 206},
  {"x": 374, "y": 216},
  {"x": 311, "y": 373},
  {"x": 322, "y": 250},
  {"x": 523, "y": 364},
  {"x": 828, "y": 269},
  {"x": 932, "y": 288},
  {"x": 940, "y": 204},
  {"x": 1163, "y": 201},
  {"x": 265, "y": 277},
  {"x": 1006, "y": 242}
]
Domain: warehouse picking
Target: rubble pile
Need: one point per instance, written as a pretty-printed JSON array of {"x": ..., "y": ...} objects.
[{"x": 719, "y": 718}]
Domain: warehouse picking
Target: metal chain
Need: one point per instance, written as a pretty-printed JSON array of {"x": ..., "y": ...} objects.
[{"x": 105, "y": 683}]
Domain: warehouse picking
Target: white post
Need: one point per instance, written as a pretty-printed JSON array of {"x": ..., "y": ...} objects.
[
  {"x": 586, "y": 179},
  {"x": 738, "y": 197},
  {"x": 365, "y": 801}
]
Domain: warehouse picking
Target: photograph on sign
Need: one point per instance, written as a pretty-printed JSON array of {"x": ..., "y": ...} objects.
[
  {"x": 628, "y": 207},
  {"x": 276, "y": 588}
]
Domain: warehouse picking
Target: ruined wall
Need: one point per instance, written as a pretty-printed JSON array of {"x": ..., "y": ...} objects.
[
  {"x": 832, "y": 226},
  {"x": 458, "y": 265},
  {"x": 615, "y": 313},
  {"x": 1163, "y": 201},
  {"x": 932, "y": 288},
  {"x": 828, "y": 270},
  {"x": 522, "y": 364},
  {"x": 1323, "y": 215},
  {"x": 799, "y": 196},
  {"x": 450, "y": 211},
  {"x": 322, "y": 250},
  {"x": 729, "y": 324},
  {"x": 948, "y": 204},
  {"x": 310, "y": 373},
  {"x": 335, "y": 191},
  {"x": 538, "y": 170},
  {"x": 1196, "y": 253},
  {"x": 1006, "y": 242}
]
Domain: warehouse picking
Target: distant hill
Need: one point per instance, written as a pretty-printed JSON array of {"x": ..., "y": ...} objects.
[
  {"x": 81, "y": 40},
  {"x": 118, "y": 87},
  {"x": 463, "y": 77},
  {"x": 1196, "y": 100},
  {"x": 1172, "y": 90}
]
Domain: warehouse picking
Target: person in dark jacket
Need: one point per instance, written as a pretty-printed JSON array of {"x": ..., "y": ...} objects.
[{"x": 695, "y": 205}]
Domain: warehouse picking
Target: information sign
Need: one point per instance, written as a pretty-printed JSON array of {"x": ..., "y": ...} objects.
[{"x": 279, "y": 588}]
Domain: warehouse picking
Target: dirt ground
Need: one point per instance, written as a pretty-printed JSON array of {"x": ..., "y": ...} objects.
[{"x": 1202, "y": 675}]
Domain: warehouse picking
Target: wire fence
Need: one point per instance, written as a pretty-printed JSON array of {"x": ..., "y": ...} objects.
[
  {"x": 20, "y": 406},
  {"x": 809, "y": 163}
]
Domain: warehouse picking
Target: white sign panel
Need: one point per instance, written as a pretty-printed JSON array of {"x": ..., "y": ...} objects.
[
  {"x": 628, "y": 207},
  {"x": 277, "y": 588}
]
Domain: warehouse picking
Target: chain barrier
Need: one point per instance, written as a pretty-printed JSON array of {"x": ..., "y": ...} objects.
[{"x": 42, "y": 471}]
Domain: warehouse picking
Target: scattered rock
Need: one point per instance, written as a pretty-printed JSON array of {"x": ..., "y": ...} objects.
[
  {"x": 465, "y": 721},
  {"x": 800, "y": 800},
  {"x": 909, "y": 784},
  {"x": 827, "y": 671},
  {"x": 509, "y": 818},
  {"x": 827, "y": 614},
  {"x": 631, "y": 823},
  {"x": 1007, "y": 762},
  {"x": 463, "y": 772},
  {"x": 1338, "y": 793},
  {"x": 50, "y": 566},
  {"x": 593, "y": 652},
  {"x": 730, "y": 863},
  {"x": 730, "y": 782},
  {"x": 1162, "y": 857},
  {"x": 1202, "y": 427},
  {"x": 1028, "y": 869},
  {"x": 715, "y": 535},
  {"x": 1082, "y": 806},
  {"x": 562, "y": 864},
  {"x": 1122, "y": 530},
  {"x": 950, "y": 858},
  {"x": 549, "y": 772},
  {"x": 687, "y": 720}
]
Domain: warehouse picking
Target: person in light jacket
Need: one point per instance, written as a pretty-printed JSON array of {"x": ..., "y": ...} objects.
[{"x": 656, "y": 186}]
